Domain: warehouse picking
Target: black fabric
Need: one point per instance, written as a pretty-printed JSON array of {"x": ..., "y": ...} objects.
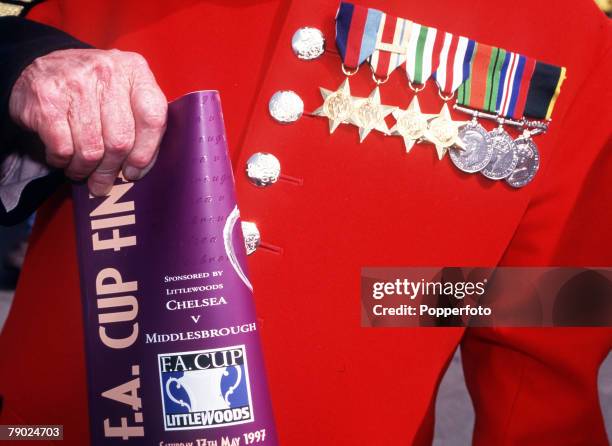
[
  {"x": 22, "y": 41},
  {"x": 541, "y": 89}
]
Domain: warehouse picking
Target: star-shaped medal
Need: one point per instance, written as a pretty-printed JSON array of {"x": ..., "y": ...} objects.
[
  {"x": 443, "y": 132},
  {"x": 337, "y": 105},
  {"x": 411, "y": 124},
  {"x": 369, "y": 114}
]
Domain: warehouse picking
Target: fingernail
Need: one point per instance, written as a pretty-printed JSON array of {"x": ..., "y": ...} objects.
[
  {"x": 148, "y": 168},
  {"x": 132, "y": 173},
  {"x": 99, "y": 189}
]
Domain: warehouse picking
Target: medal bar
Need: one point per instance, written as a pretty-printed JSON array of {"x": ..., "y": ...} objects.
[{"x": 489, "y": 83}]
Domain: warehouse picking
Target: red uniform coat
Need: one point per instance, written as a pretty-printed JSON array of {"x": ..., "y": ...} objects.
[{"x": 332, "y": 382}]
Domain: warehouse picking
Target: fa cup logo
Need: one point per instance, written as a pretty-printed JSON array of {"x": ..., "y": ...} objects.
[{"x": 206, "y": 388}]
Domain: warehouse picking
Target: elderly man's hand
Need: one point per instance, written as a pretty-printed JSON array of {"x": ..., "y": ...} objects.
[{"x": 97, "y": 112}]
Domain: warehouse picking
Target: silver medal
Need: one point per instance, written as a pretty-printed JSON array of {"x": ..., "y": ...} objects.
[
  {"x": 478, "y": 149},
  {"x": 308, "y": 43},
  {"x": 528, "y": 163},
  {"x": 504, "y": 157},
  {"x": 286, "y": 106}
]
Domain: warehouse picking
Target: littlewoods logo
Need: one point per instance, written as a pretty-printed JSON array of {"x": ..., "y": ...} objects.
[{"x": 205, "y": 388}]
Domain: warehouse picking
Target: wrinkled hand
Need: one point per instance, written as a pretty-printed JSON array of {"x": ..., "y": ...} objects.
[{"x": 97, "y": 112}]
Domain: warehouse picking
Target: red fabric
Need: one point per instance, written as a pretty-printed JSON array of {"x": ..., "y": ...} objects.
[
  {"x": 450, "y": 62},
  {"x": 384, "y": 57},
  {"x": 479, "y": 77},
  {"x": 437, "y": 47},
  {"x": 355, "y": 37},
  {"x": 519, "y": 109},
  {"x": 541, "y": 385},
  {"x": 506, "y": 100},
  {"x": 332, "y": 382}
]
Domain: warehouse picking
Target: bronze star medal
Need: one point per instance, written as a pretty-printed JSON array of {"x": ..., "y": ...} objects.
[
  {"x": 443, "y": 132},
  {"x": 369, "y": 114},
  {"x": 411, "y": 123},
  {"x": 337, "y": 105}
]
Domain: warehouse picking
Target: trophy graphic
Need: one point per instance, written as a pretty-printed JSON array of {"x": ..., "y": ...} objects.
[{"x": 204, "y": 389}]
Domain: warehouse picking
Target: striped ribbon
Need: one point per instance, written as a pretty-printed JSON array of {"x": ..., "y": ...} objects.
[
  {"x": 455, "y": 59},
  {"x": 485, "y": 78},
  {"x": 513, "y": 85},
  {"x": 481, "y": 88},
  {"x": 356, "y": 32},
  {"x": 544, "y": 89},
  {"x": 424, "y": 49},
  {"x": 391, "y": 45}
]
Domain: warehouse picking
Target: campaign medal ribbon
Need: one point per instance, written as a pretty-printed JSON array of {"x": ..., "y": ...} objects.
[
  {"x": 392, "y": 44},
  {"x": 531, "y": 89},
  {"x": 489, "y": 82},
  {"x": 479, "y": 91},
  {"x": 453, "y": 62},
  {"x": 454, "y": 66},
  {"x": 420, "y": 46},
  {"x": 390, "y": 52},
  {"x": 391, "y": 47},
  {"x": 521, "y": 82},
  {"x": 484, "y": 90},
  {"x": 357, "y": 30},
  {"x": 356, "y": 33},
  {"x": 539, "y": 90},
  {"x": 544, "y": 90},
  {"x": 453, "y": 70},
  {"x": 516, "y": 74},
  {"x": 424, "y": 56}
]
